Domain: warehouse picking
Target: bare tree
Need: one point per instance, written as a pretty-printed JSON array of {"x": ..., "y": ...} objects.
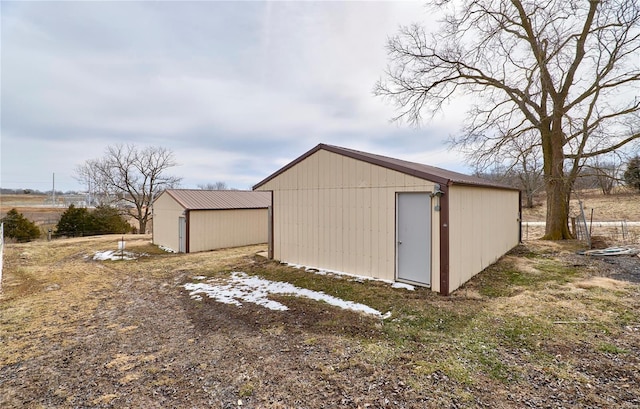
[
  {"x": 518, "y": 161},
  {"x": 565, "y": 70},
  {"x": 214, "y": 186},
  {"x": 601, "y": 173},
  {"x": 98, "y": 190},
  {"x": 133, "y": 175}
]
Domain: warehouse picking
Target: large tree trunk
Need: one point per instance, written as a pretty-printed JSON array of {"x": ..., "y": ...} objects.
[
  {"x": 557, "y": 187},
  {"x": 557, "y": 227},
  {"x": 142, "y": 220}
]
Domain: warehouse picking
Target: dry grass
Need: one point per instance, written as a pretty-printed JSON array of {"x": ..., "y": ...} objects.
[
  {"x": 541, "y": 328},
  {"x": 623, "y": 205},
  {"x": 11, "y": 200}
]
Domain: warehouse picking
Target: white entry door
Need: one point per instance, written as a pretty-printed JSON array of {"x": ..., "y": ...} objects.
[{"x": 413, "y": 237}]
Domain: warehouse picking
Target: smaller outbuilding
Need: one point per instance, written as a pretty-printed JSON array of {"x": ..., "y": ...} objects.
[{"x": 189, "y": 220}]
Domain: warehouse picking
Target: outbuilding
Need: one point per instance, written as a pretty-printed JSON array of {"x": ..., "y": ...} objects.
[
  {"x": 189, "y": 220},
  {"x": 345, "y": 210}
]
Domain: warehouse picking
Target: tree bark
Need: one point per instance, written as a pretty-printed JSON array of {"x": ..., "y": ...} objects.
[
  {"x": 557, "y": 187},
  {"x": 557, "y": 227}
]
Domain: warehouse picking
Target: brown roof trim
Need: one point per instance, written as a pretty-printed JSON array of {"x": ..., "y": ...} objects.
[
  {"x": 187, "y": 228},
  {"x": 444, "y": 241},
  {"x": 418, "y": 170}
]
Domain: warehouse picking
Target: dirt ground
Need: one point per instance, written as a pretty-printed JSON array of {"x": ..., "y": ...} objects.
[{"x": 81, "y": 333}]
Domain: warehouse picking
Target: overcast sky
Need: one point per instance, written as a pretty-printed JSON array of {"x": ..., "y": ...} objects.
[{"x": 235, "y": 89}]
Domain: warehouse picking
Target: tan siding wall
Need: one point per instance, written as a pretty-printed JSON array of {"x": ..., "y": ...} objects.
[
  {"x": 338, "y": 213},
  {"x": 214, "y": 229},
  {"x": 166, "y": 212},
  {"x": 483, "y": 226}
]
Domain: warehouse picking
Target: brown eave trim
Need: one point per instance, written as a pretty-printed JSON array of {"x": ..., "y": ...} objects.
[
  {"x": 520, "y": 216},
  {"x": 187, "y": 216},
  {"x": 272, "y": 244},
  {"x": 444, "y": 241}
]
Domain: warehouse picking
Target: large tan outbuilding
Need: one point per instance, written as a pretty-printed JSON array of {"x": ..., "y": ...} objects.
[
  {"x": 344, "y": 210},
  {"x": 189, "y": 221}
]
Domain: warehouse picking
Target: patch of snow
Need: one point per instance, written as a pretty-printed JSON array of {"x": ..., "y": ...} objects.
[
  {"x": 116, "y": 255},
  {"x": 298, "y": 266},
  {"x": 167, "y": 249},
  {"x": 199, "y": 278},
  {"x": 353, "y": 277},
  {"x": 403, "y": 285},
  {"x": 242, "y": 287}
]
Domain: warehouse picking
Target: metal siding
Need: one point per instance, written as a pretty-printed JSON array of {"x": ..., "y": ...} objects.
[
  {"x": 367, "y": 232},
  {"x": 386, "y": 212},
  {"x": 279, "y": 208},
  {"x": 338, "y": 258},
  {"x": 313, "y": 215},
  {"x": 342, "y": 217},
  {"x": 484, "y": 226},
  {"x": 361, "y": 229},
  {"x": 214, "y": 229},
  {"x": 166, "y": 212},
  {"x": 351, "y": 221},
  {"x": 435, "y": 247}
]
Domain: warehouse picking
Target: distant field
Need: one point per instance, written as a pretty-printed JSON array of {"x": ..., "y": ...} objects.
[
  {"x": 37, "y": 208},
  {"x": 27, "y": 200}
]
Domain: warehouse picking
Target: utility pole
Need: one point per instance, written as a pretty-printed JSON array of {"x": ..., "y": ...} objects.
[{"x": 53, "y": 191}]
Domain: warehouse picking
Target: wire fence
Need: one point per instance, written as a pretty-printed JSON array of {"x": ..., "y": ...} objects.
[
  {"x": 580, "y": 228},
  {"x": 614, "y": 232}
]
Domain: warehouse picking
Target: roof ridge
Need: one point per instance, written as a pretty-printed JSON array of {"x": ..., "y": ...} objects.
[{"x": 420, "y": 170}]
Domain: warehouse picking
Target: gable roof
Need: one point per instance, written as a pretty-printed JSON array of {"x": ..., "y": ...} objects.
[
  {"x": 418, "y": 170},
  {"x": 197, "y": 199}
]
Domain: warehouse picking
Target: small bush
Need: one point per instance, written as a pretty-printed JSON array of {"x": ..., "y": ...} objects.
[
  {"x": 73, "y": 222},
  {"x": 18, "y": 227},
  {"x": 106, "y": 220},
  {"x": 632, "y": 174},
  {"x": 81, "y": 222}
]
